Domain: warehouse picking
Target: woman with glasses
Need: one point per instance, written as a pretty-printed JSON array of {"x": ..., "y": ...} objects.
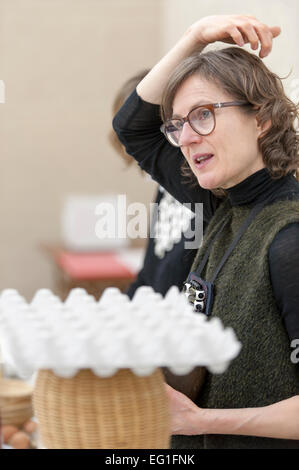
[{"x": 231, "y": 144}]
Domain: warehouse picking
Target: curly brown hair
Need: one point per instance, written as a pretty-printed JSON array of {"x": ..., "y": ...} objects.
[{"x": 245, "y": 77}]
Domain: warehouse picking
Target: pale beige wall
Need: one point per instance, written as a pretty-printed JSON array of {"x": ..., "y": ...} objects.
[{"x": 62, "y": 62}]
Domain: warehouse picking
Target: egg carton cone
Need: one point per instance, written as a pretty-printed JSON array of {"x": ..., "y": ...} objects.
[{"x": 113, "y": 333}]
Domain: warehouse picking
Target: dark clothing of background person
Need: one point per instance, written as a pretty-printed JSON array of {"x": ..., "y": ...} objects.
[{"x": 172, "y": 266}]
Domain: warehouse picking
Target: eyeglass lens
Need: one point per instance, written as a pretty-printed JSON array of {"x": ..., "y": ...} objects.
[{"x": 200, "y": 119}]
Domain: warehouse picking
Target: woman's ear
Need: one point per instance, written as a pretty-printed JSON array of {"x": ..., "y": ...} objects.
[{"x": 263, "y": 127}]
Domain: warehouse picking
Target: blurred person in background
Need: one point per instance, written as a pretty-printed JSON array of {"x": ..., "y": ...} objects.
[{"x": 167, "y": 262}]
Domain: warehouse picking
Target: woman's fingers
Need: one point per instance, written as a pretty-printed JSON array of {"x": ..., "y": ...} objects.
[
  {"x": 236, "y": 37},
  {"x": 266, "y": 35},
  {"x": 237, "y": 29},
  {"x": 275, "y": 31},
  {"x": 251, "y": 35},
  {"x": 265, "y": 38},
  {"x": 254, "y": 33}
]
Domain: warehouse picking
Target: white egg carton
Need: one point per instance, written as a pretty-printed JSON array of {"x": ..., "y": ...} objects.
[
  {"x": 113, "y": 333},
  {"x": 173, "y": 221}
]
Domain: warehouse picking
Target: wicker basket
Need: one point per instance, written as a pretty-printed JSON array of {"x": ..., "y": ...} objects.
[
  {"x": 87, "y": 412},
  {"x": 15, "y": 402}
]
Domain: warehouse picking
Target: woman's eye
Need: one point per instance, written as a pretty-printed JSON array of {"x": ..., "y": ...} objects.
[
  {"x": 174, "y": 126},
  {"x": 201, "y": 114},
  {"x": 205, "y": 114}
]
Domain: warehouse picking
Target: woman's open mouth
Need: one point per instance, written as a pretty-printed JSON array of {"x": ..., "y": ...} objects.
[{"x": 201, "y": 160}]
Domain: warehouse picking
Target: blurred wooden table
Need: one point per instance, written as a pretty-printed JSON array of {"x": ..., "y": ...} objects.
[{"x": 92, "y": 271}]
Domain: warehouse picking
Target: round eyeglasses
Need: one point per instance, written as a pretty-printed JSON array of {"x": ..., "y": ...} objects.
[{"x": 201, "y": 119}]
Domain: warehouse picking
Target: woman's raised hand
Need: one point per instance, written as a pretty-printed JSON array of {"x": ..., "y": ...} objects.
[{"x": 234, "y": 29}]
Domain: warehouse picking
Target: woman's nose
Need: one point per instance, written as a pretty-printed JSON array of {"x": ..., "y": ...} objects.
[{"x": 188, "y": 135}]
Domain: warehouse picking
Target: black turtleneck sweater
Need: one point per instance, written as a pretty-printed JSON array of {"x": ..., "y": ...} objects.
[{"x": 138, "y": 127}]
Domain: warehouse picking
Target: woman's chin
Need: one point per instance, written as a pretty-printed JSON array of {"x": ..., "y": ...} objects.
[{"x": 207, "y": 183}]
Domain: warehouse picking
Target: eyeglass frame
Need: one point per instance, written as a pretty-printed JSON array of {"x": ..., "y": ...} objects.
[{"x": 211, "y": 107}]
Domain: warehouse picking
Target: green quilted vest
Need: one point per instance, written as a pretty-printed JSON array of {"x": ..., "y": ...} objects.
[{"x": 263, "y": 373}]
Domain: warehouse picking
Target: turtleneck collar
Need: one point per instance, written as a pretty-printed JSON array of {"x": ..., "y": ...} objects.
[{"x": 257, "y": 188}]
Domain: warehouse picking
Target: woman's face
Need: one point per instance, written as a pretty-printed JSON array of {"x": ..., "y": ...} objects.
[{"x": 231, "y": 151}]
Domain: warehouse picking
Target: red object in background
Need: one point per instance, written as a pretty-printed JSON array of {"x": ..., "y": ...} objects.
[{"x": 89, "y": 266}]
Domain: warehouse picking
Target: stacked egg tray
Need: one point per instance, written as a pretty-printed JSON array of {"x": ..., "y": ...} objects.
[
  {"x": 15, "y": 402},
  {"x": 113, "y": 333},
  {"x": 16, "y": 412}
]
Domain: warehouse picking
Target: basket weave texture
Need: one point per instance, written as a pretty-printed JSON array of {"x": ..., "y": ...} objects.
[
  {"x": 15, "y": 402},
  {"x": 90, "y": 412}
]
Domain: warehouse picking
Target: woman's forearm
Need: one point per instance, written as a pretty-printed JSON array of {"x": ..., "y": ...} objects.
[
  {"x": 151, "y": 88},
  {"x": 280, "y": 420}
]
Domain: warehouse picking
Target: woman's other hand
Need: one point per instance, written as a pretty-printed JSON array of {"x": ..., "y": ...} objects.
[{"x": 184, "y": 414}]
